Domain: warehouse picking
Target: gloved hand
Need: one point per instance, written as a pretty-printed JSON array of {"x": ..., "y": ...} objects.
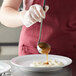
[{"x": 33, "y": 15}]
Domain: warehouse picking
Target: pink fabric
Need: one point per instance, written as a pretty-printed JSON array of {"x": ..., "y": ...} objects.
[
  {"x": 59, "y": 29},
  {"x": 27, "y": 4}
]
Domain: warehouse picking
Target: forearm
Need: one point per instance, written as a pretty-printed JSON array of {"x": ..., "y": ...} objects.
[{"x": 10, "y": 17}]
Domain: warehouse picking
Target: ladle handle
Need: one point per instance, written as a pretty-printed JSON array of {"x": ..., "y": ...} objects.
[{"x": 41, "y": 23}]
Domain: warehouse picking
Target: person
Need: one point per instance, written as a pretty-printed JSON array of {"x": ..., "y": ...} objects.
[{"x": 59, "y": 25}]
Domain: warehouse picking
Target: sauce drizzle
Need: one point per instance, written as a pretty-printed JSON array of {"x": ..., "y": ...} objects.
[{"x": 45, "y": 50}]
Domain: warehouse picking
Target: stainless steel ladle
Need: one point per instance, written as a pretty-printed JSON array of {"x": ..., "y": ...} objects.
[{"x": 41, "y": 45}]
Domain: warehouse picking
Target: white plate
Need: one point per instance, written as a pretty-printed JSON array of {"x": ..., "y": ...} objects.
[
  {"x": 23, "y": 62},
  {"x": 4, "y": 67}
]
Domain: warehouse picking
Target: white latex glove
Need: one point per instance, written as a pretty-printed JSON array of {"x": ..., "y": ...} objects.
[{"x": 33, "y": 15}]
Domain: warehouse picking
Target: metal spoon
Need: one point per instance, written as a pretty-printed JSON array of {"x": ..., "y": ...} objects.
[{"x": 42, "y": 45}]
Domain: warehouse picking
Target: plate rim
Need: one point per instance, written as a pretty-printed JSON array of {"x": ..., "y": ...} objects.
[{"x": 9, "y": 67}]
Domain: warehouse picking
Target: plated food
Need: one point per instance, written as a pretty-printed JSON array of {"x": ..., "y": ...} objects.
[{"x": 51, "y": 63}]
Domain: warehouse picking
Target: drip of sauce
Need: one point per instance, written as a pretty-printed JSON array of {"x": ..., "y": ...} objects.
[{"x": 45, "y": 50}]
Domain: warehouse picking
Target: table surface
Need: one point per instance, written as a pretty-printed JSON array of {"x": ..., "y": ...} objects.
[{"x": 68, "y": 71}]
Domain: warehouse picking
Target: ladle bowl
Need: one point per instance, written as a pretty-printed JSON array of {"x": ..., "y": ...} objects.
[{"x": 43, "y": 46}]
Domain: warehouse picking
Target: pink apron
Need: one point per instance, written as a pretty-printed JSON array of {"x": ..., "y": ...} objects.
[{"x": 59, "y": 29}]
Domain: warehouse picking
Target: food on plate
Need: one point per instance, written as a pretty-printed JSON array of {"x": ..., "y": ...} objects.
[{"x": 51, "y": 63}]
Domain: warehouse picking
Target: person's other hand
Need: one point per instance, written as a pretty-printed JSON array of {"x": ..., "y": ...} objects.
[{"x": 33, "y": 15}]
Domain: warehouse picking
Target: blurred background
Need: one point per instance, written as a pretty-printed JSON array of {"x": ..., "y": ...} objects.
[{"x": 9, "y": 38}]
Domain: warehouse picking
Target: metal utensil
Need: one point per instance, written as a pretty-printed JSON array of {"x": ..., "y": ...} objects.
[{"x": 42, "y": 43}]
